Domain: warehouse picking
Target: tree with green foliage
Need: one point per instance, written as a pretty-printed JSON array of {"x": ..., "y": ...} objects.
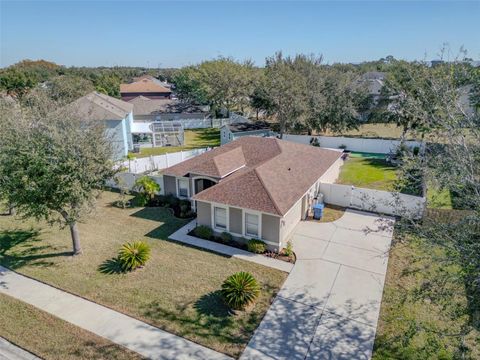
[
  {"x": 67, "y": 88},
  {"x": 53, "y": 165},
  {"x": 286, "y": 88},
  {"x": 147, "y": 187}
]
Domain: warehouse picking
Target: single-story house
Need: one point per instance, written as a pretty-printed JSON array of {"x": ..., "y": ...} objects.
[
  {"x": 117, "y": 115},
  {"x": 237, "y": 130},
  {"x": 148, "y": 110},
  {"x": 146, "y": 87},
  {"x": 254, "y": 187}
]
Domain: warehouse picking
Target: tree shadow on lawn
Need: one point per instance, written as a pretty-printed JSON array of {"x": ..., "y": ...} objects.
[
  {"x": 18, "y": 248},
  {"x": 210, "y": 321}
]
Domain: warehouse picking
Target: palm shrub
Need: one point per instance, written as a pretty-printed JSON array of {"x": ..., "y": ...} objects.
[
  {"x": 256, "y": 246},
  {"x": 240, "y": 290},
  {"x": 203, "y": 232},
  {"x": 133, "y": 255},
  {"x": 147, "y": 187}
]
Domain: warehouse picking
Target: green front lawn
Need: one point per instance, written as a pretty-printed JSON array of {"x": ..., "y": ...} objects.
[
  {"x": 52, "y": 338},
  {"x": 195, "y": 138},
  {"x": 176, "y": 291},
  {"x": 369, "y": 173}
]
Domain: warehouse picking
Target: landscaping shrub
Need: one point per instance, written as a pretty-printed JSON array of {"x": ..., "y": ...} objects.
[
  {"x": 203, "y": 232},
  {"x": 256, "y": 246},
  {"x": 240, "y": 290},
  {"x": 133, "y": 255},
  {"x": 226, "y": 237},
  {"x": 288, "y": 251},
  {"x": 147, "y": 189}
]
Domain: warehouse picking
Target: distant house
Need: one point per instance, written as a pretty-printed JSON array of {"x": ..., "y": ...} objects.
[
  {"x": 374, "y": 81},
  {"x": 117, "y": 115},
  {"x": 146, "y": 109},
  {"x": 237, "y": 130},
  {"x": 254, "y": 187},
  {"x": 147, "y": 86}
]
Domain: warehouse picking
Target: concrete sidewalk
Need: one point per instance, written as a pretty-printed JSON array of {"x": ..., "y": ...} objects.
[
  {"x": 9, "y": 351},
  {"x": 329, "y": 305},
  {"x": 135, "y": 335},
  {"x": 181, "y": 235}
]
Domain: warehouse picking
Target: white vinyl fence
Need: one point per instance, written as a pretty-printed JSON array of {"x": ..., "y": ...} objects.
[
  {"x": 127, "y": 181},
  {"x": 158, "y": 162},
  {"x": 384, "y": 202},
  {"x": 378, "y": 146}
]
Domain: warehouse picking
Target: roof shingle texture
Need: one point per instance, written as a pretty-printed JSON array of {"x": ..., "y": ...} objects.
[
  {"x": 143, "y": 86},
  {"x": 96, "y": 106},
  {"x": 276, "y": 173}
]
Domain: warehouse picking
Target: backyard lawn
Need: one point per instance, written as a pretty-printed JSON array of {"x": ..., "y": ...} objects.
[
  {"x": 195, "y": 138},
  {"x": 367, "y": 172},
  {"x": 176, "y": 291},
  {"x": 52, "y": 338}
]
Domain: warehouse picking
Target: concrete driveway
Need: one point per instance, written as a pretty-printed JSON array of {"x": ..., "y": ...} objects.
[{"x": 328, "y": 307}]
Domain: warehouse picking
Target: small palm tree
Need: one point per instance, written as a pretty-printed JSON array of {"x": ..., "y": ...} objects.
[
  {"x": 133, "y": 255},
  {"x": 240, "y": 290},
  {"x": 147, "y": 188}
]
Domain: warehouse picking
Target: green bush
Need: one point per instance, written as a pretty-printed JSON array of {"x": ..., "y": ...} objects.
[
  {"x": 133, "y": 255},
  {"x": 288, "y": 251},
  {"x": 256, "y": 246},
  {"x": 147, "y": 188},
  {"x": 240, "y": 290},
  {"x": 226, "y": 237},
  {"x": 203, "y": 232}
]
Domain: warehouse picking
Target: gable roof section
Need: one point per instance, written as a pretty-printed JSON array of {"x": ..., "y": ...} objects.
[
  {"x": 144, "y": 85},
  {"x": 275, "y": 174},
  {"x": 96, "y": 106}
]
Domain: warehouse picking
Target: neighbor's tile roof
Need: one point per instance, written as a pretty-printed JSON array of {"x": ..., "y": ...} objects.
[
  {"x": 96, "y": 106},
  {"x": 145, "y": 85},
  {"x": 275, "y": 176}
]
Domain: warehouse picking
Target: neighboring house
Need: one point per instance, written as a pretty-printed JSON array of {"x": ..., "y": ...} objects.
[
  {"x": 117, "y": 115},
  {"x": 161, "y": 122},
  {"x": 154, "y": 79},
  {"x": 237, "y": 130},
  {"x": 147, "y": 87},
  {"x": 254, "y": 187},
  {"x": 146, "y": 109}
]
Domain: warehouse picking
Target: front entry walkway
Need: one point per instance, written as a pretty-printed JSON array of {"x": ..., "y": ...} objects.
[
  {"x": 135, "y": 335},
  {"x": 329, "y": 305}
]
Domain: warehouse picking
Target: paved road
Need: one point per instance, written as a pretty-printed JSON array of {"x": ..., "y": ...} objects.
[
  {"x": 138, "y": 336},
  {"x": 329, "y": 305}
]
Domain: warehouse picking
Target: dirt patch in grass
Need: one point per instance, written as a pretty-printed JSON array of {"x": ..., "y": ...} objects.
[
  {"x": 52, "y": 338},
  {"x": 330, "y": 213},
  {"x": 176, "y": 291}
]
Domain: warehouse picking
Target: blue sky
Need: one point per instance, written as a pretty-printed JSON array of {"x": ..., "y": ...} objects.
[{"x": 174, "y": 33}]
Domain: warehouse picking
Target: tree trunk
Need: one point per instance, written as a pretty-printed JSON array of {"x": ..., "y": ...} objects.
[
  {"x": 11, "y": 209},
  {"x": 257, "y": 114},
  {"x": 77, "y": 250}
]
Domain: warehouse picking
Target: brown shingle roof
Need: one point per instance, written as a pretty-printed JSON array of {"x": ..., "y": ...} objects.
[
  {"x": 276, "y": 174},
  {"x": 143, "y": 86}
]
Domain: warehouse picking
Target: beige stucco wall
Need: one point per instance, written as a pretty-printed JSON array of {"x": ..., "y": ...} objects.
[
  {"x": 271, "y": 228},
  {"x": 169, "y": 182},
  {"x": 235, "y": 220},
  {"x": 204, "y": 216},
  {"x": 289, "y": 221},
  {"x": 331, "y": 175}
]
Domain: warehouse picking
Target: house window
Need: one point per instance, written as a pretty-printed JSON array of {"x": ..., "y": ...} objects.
[
  {"x": 183, "y": 187},
  {"x": 229, "y": 136},
  {"x": 220, "y": 218},
  {"x": 251, "y": 224}
]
